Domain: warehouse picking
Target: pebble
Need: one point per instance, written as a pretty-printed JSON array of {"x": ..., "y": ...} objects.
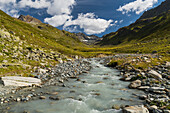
[{"x": 42, "y": 97}]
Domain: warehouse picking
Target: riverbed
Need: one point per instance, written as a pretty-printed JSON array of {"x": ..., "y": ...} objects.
[{"x": 98, "y": 91}]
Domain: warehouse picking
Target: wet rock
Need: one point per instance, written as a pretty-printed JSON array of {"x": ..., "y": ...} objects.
[
  {"x": 54, "y": 93},
  {"x": 105, "y": 78},
  {"x": 54, "y": 98},
  {"x": 42, "y": 97},
  {"x": 143, "y": 97},
  {"x": 84, "y": 82},
  {"x": 99, "y": 82},
  {"x": 78, "y": 79},
  {"x": 135, "y": 109},
  {"x": 72, "y": 91},
  {"x": 97, "y": 94},
  {"x": 135, "y": 84},
  {"x": 117, "y": 107},
  {"x": 74, "y": 77}
]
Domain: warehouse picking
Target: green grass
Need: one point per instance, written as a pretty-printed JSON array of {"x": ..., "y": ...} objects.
[
  {"x": 141, "y": 64},
  {"x": 142, "y": 36}
]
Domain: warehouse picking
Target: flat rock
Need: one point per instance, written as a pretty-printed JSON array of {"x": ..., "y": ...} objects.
[
  {"x": 19, "y": 81},
  {"x": 135, "y": 109},
  {"x": 143, "y": 87},
  {"x": 155, "y": 74},
  {"x": 156, "y": 89}
]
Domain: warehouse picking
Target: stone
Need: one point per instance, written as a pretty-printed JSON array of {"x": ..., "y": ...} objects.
[
  {"x": 143, "y": 87},
  {"x": 99, "y": 82},
  {"x": 155, "y": 74},
  {"x": 54, "y": 93},
  {"x": 135, "y": 109},
  {"x": 117, "y": 107},
  {"x": 156, "y": 89},
  {"x": 166, "y": 111},
  {"x": 153, "y": 107},
  {"x": 135, "y": 84},
  {"x": 143, "y": 97},
  {"x": 167, "y": 63},
  {"x": 18, "y": 99},
  {"x": 42, "y": 71},
  {"x": 153, "y": 52},
  {"x": 54, "y": 98},
  {"x": 42, "y": 97},
  {"x": 19, "y": 81}
]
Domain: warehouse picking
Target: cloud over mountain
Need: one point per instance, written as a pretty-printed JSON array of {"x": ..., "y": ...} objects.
[
  {"x": 137, "y": 6},
  {"x": 90, "y": 23}
]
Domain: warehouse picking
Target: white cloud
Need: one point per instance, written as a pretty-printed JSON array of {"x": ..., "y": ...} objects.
[
  {"x": 7, "y": 1},
  {"x": 37, "y": 4},
  {"x": 137, "y": 6},
  {"x": 120, "y": 21},
  {"x": 60, "y": 11},
  {"x": 57, "y": 20},
  {"x": 53, "y": 7},
  {"x": 8, "y": 6},
  {"x": 90, "y": 23},
  {"x": 58, "y": 7}
]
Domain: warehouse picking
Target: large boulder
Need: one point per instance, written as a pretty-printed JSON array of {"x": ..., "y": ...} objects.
[
  {"x": 19, "y": 81},
  {"x": 135, "y": 84},
  {"x": 135, "y": 109},
  {"x": 155, "y": 74}
]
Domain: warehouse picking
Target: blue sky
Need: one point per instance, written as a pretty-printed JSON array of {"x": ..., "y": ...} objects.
[{"x": 98, "y": 17}]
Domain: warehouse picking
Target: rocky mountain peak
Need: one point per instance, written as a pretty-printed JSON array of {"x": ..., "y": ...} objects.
[{"x": 29, "y": 19}]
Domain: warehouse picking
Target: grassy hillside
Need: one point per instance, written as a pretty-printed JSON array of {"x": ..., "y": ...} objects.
[
  {"x": 25, "y": 47},
  {"x": 41, "y": 35},
  {"x": 144, "y": 35},
  {"x": 164, "y": 7}
]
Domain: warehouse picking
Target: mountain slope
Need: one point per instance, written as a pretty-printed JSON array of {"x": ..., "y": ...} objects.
[
  {"x": 41, "y": 35},
  {"x": 163, "y": 8},
  {"x": 144, "y": 29},
  {"x": 150, "y": 29}
]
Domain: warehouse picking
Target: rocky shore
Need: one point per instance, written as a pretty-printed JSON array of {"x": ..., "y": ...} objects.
[
  {"x": 153, "y": 80},
  {"x": 54, "y": 76}
]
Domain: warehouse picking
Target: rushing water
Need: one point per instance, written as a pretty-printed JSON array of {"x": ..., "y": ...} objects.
[{"x": 98, "y": 94}]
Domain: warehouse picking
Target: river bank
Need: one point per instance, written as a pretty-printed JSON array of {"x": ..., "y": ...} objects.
[
  {"x": 56, "y": 76},
  {"x": 149, "y": 73},
  {"x": 98, "y": 90}
]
